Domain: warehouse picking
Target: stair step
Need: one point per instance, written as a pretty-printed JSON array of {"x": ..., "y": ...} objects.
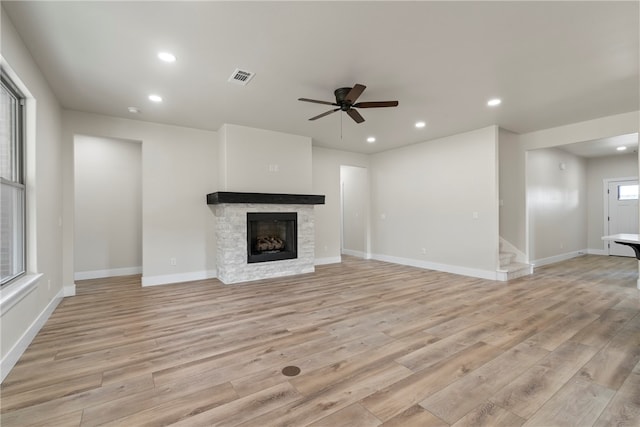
[
  {"x": 516, "y": 269},
  {"x": 506, "y": 258}
]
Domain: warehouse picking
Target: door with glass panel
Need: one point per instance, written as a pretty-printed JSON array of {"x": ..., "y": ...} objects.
[{"x": 623, "y": 213}]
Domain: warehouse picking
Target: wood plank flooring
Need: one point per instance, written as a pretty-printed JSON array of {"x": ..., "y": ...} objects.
[{"x": 377, "y": 344}]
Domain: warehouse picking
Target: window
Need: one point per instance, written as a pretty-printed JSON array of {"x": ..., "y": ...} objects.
[
  {"x": 12, "y": 190},
  {"x": 628, "y": 192}
]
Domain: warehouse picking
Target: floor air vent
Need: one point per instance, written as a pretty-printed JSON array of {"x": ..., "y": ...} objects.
[{"x": 241, "y": 77}]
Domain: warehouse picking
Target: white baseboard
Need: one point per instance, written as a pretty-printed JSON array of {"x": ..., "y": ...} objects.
[
  {"x": 558, "y": 258},
  {"x": 13, "y": 355},
  {"x": 327, "y": 260},
  {"x": 70, "y": 290},
  {"x": 597, "y": 252},
  {"x": 351, "y": 252},
  {"x": 502, "y": 276},
  {"x": 168, "y": 279},
  {"x": 99, "y": 274},
  {"x": 359, "y": 254},
  {"x": 463, "y": 271}
]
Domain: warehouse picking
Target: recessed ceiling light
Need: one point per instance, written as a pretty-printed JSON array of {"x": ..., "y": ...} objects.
[
  {"x": 493, "y": 102},
  {"x": 167, "y": 57},
  {"x": 420, "y": 124},
  {"x": 134, "y": 110},
  {"x": 371, "y": 139},
  {"x": 155, "y": 98},
  {"x": 621, "y": 148}
]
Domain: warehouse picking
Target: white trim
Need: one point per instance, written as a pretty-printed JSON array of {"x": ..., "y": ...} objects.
[
  {"x": 558, "y": 258},
  {"x": 328, "y": 260},
  {"x": 605, "y": 220},
  {"x": 454, "y": 269},
  {"x": 591, "y": 251},
  {"x": 359, "y": 254},
  {"x": 527, "y": 207},
  {"x": 15, "y": 292},
  {"x": 13, "y": 355},
  {"x": 70, "y": 291},
  {"x": 167, "y": 279},
  {"x": 99, "y": 274},
  {"x": 502, "y": 276}
]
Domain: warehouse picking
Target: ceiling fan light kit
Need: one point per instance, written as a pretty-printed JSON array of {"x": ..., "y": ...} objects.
[{"x": 346, "y": 98}]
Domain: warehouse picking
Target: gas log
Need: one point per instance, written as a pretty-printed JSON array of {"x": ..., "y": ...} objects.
[{"x": 269, "y": 243}]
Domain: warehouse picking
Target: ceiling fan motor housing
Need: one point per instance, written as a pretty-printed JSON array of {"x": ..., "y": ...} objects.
[{"x": 341, "y": 94}]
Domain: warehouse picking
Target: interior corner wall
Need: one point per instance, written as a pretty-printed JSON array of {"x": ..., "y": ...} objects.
[
  {"x": 108, "y": 207},
  {"x": 598, "y": 169},
  {"x": 179, "y": 167},
  {"x": 557, "y": 200},
  {"x": 435, "y": 204},
  {"x": 512, "y": 190},
  {"x": 264, "y": 161},
  {"x": 20, "y": 323},
  {"x": 326, "y": 180},
  {"x": 222, "y": 159}
]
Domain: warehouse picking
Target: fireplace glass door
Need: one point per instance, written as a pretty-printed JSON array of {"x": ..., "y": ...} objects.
[{"x": 272, "y": 236}]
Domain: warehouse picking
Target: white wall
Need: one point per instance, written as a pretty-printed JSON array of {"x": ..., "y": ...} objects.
[
  {"x": 20, "y": 322},
  {"x": 598, "y": 169},
  {"x": 108, "y": 207},
  {"x": 355, "y": 210},
  {"x": 326, "y": 180},
  {"x": 557, "y": 204},
  {"x": 179, "y": 167},
  {"x": 263, "y": 161},
  {"x": 428, "y": 195}
]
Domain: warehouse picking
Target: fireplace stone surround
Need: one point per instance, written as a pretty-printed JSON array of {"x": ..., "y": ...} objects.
[{"x": 231, "y": 208}]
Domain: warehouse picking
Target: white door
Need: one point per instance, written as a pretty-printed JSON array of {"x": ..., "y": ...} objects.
[{"x": 623, "y": 213}]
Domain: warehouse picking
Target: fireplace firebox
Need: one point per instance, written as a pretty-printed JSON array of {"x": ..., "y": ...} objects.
[{"x": 272, "y": 236}]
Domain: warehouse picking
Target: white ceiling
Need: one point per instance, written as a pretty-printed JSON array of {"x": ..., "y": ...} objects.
[
  {"x": 552, "y": 63},
  {"x": 605, "y": 146}
]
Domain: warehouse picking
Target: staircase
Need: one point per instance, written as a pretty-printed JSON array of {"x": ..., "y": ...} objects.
[{"x": 510, "y": 268}]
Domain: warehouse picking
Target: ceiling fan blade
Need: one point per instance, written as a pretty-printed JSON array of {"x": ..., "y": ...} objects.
[
  {"x": 324, "y": 114},
  {"x": 317, "y": 102},
  {"x": 376, "y": 104},
  {"x": 355, "y": 115},
  {"x": 354, "y": 93}
]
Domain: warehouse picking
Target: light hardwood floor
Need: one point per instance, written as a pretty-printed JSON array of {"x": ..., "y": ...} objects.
[{"x": 377, "y": 344}]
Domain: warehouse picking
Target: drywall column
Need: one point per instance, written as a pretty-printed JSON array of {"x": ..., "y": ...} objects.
[{"x": 435, "y": 204}]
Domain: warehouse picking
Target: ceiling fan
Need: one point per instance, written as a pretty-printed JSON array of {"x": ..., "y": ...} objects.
[{"x": 346, "y": 101}]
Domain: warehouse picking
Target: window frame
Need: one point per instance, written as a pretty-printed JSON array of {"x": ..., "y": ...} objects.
[
  {"x": 620, "y": 191},
  {"x": 18, "y": 180}
]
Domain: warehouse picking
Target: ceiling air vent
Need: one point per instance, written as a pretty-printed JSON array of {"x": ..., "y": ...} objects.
[{"x": 241, "y": 77}]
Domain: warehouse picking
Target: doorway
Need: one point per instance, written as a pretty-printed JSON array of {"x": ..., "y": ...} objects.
[
  {"x": 354, "y": 220},
  {"x": 621, "y": 212},
  {"x": 107, "y": 207}
]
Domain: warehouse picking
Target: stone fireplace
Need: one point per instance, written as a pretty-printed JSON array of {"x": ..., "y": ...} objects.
[{"x": 263, "y": 235}]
